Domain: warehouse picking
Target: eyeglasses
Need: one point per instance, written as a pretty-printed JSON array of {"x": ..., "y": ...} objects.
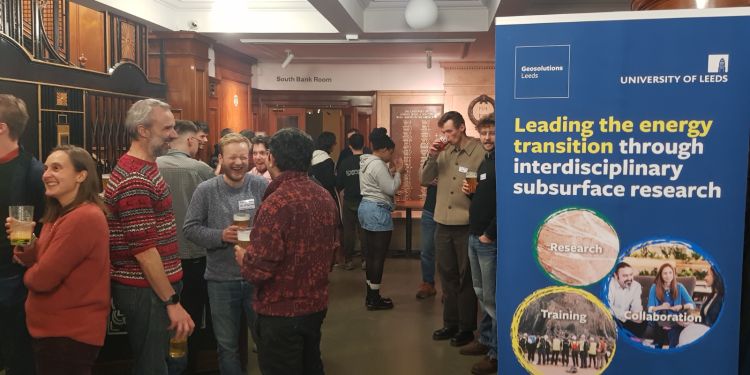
[{"x": 200, "y": 141}]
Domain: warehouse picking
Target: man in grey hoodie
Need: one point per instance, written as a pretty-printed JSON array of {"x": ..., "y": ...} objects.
[{"x": 209, "y": 223}]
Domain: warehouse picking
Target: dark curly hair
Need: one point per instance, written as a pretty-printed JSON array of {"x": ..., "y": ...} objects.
[
  {"x": 325, "y": 142},
  {"x": 291, "y": 149},
  {"x": 380, "y": 140}
]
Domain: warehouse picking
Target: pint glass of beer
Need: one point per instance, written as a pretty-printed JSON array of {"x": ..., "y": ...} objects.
[
  {"x": 243, "y": 237},
  {"x": 242, "y": 219},
  {"x": 21, "y": 225},
  {"x": 471, "y": 179}
]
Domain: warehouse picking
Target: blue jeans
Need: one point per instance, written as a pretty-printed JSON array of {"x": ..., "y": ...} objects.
[
  {"x": 375, "y": 216},
  {"x": 483, "y": 260},
  {"x": 228, "y": 299},
  {"x": 147, "y": 322},
  {"x": 427, "y": 254}
]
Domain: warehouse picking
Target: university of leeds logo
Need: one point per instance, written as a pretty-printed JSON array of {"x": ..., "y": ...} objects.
[{"x": 718, "y": 64}]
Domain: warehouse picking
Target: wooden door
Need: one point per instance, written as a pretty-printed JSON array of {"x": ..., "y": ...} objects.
[{"x": 280, "y": 118}]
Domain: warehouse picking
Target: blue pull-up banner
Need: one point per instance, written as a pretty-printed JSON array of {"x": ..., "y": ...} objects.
[{"x": 622, "y": 148}]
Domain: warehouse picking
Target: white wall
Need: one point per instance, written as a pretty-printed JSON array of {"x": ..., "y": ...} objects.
[{"x": 347, "y": 77}]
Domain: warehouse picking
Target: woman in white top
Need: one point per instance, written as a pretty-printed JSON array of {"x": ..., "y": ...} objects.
[{"x": 378, "y": 183}]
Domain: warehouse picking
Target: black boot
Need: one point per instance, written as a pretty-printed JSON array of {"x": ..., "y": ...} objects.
[{"x": 375, "y": 302}]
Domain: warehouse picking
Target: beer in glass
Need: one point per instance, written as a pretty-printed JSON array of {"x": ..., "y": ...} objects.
[
  {"x": 243, "y": 237},
  {"x": 177, "y": 347},
  {"x": 242, "y": 219},
  {"x": 471, "y": 180},
  {"x": 21, "y": 225}
]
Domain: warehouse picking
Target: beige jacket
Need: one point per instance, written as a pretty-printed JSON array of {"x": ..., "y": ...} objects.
[{"x": 450, "y": 167}]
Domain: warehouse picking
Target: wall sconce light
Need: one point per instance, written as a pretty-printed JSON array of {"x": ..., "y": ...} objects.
[
  {"x": 288, "y": 59},
  {"x": 428, "y": 52}
]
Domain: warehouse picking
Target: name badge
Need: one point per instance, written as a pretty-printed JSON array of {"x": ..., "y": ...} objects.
[
  {"x": 248, "y": 204},
  {"x": 462, "y": 169},
  {"x": 482, "y": 176}
]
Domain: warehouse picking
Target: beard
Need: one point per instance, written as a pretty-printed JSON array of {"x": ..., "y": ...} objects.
[
  {"x": 159, "y": 149},
  {"x": 233, "y": 175}
]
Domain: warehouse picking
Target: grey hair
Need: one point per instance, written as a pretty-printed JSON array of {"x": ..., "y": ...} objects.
[{"x": 140, "y": 114}]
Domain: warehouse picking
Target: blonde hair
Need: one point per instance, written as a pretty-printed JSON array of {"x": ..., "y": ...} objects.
[{"x": 233, "y": 138}]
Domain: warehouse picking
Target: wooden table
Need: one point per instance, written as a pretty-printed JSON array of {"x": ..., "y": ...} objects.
[{"x": 408, "y": 206}]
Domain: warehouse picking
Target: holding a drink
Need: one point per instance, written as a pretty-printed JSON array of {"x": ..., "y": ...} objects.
[
  {"x": 471, "y": 182},
  {"x": 21, "y": 224},
  {"x": 242, "y": 220},
  {"x": 243, "y": 237}
]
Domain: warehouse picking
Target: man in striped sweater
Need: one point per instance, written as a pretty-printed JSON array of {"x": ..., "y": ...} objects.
[{"x": 146, "y": 270}]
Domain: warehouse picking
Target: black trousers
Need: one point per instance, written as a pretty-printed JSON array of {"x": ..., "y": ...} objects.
[
  {"x": 351, "y": 230},
  {"x": 377, "y": 248},
  {"x": 15, "y": 342},
  {"x": 64, "y": 356},
  {"x": 290, "y": 346},
  {"x": 452, "y": 253},
  {"x": 194, "y": 298}
]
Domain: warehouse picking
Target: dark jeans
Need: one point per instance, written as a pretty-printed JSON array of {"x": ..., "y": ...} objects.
[
  {"x": 451, "y": 248},
  {"x": 352, "y": 230},
  {"x": 64, "y": 356},
  {"x": 146, "y": 322},
  {"x": 194, "y": 298},
  {"x": 377, "y": 243},
  {"x": 427, "y": 253},
  {"x": 15, "y": 343},
  {"x": 229, "y": 300},
  {"x": 290, "y": 346}
]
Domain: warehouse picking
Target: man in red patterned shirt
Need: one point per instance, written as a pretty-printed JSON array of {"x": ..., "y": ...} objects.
[
  {"x": 291, "y": 250},
  {"x": 146, "y": 270}
]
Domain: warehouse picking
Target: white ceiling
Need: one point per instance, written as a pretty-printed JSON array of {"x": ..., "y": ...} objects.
[{"x": 315, "y": 30}]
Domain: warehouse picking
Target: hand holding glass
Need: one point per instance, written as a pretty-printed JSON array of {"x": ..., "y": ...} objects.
[
  {"x": 471, "y": 179},
  {"x": 21, "y": 224},
  {"x": 243, "y": 237}
]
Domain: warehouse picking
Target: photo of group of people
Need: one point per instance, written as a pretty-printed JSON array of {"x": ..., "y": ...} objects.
[
  {"x": 665, "y": 294},
  {"x": 567, "y": 351},
  {"x": 562, "y": 330}
]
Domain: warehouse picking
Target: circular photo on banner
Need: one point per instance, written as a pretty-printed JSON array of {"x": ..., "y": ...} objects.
[
  {"x": 665, "y": 294},
  {"x": 576, "y": 246},
  {"x": 561, "y": 330}
]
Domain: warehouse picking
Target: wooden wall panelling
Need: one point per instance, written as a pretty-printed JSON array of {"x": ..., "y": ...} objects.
[
  {"x": 265, "y": 101},
  {"x": 233, "y": 89},
  {"x": 128, "y": 42},
  {"x": 184, "y": 60},
  {"x": 234, "y": 105},
  {"x": 463, "y": 83},
  {"x": 87, "y": 38},
  {"x": 413, "y": 128},
  {"x": 155, "y": 60},
  {"x": 124, "y": 79},
  {"x": 384, "y": 100}
]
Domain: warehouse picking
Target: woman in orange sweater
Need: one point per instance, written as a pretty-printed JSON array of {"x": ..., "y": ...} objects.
[{"x": 68, "y": 275}]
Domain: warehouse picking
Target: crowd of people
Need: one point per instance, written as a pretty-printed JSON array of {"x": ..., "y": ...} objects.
[
  {"x": 566, "y": 350},
  {"x": 254, "y": 236}
]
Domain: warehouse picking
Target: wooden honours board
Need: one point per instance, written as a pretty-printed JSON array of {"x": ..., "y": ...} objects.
[{"x": 413, "y": 129}]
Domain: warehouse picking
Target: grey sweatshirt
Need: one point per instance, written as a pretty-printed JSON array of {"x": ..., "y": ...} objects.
[
  {"x": 211, "y": 211},
  {"x": 375, "y": 180}
]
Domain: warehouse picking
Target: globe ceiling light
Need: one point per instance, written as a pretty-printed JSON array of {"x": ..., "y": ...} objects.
[{"x": 421, "y": 13}]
